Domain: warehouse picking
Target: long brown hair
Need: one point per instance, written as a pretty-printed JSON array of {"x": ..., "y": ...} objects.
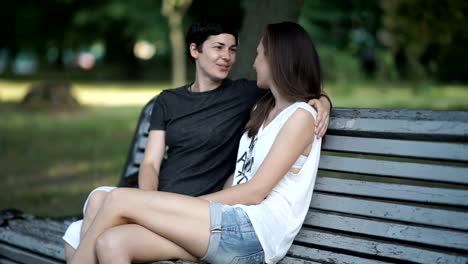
[{"x": 295, "y": 69}]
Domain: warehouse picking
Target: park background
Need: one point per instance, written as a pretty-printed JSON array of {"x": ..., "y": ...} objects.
[{"x": 74, "y": 75}]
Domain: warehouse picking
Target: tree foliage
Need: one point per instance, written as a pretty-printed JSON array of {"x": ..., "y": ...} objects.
[
  {"x": 432, "y": 34},
  {"x": 418, "y": 37}
]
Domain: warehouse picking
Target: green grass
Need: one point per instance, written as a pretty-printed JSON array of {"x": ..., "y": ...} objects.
[
  {"x": 51, "y": 160},
  {"x": 391, "y": 95}
]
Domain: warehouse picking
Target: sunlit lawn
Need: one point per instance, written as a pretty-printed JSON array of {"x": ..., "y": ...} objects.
[
  {"x": 50, "y": 161},
  {"x": 364, "y": 94}
]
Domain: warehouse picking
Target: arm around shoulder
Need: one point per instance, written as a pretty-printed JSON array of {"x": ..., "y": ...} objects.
[
  {"x": 323, "y": 106},
  {"x": 289, "y": 144}
]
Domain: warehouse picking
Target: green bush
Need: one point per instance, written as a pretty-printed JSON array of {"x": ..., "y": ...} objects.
[{"x": 339, "y": 65}]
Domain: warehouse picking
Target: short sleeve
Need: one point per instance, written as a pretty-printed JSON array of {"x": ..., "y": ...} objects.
[{"x": 158, "y": 116}]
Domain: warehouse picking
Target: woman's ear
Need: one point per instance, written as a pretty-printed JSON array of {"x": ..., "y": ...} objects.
[{"x": 193, "y": 50}]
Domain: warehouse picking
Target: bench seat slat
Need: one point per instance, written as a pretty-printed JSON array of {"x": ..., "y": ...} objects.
[
  {"x": 7, "y": 261},
  {"x": 390, "y": 211},
  {"x": 399, "y": 148},
  {"x": 38, "y": 231},
  {"x": 399, "y": 252},
  {"x": 430, "y": 195},
  {"x": 49, "y": 225},
  {"x": 23, "y": 256},
  {"x": 289, "y": 260},
  {"x": 404, "y": 232},
  {"x": 34, "y": 244},
  {"x": 429, "y": 172},
  {"x": 324, "y": 256}
]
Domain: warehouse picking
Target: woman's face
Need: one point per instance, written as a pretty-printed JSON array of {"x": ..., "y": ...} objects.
[
  {"x": 216, "y": 57},
  {"x": 262, "y": 67}
]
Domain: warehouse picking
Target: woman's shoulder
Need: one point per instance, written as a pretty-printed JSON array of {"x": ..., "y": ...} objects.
[
  {"x": 298, "y": 114},
  {"x": 304, "y": 108}
]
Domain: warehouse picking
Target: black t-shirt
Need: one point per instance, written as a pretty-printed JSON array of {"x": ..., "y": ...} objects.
[{"x": 202, "y": 134}]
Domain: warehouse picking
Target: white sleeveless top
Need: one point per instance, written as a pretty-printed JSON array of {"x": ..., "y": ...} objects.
[{"x": 278, "y": 218}]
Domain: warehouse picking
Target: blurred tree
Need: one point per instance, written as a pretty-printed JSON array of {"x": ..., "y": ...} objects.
[
  {"x": 431, "y": 35},
  {"x": 258, "y": 14},
  {"x": 72, "y": 24},
  {"x": 35, "y": 26},
  {"x": 344, "y": 25},
  {"x": 174, "y": 11},
  {"x": 120, "y": 24}
]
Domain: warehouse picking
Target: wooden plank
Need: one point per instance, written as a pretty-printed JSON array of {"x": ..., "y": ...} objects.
[
  {"x": 411, "y": 124},
  {"x": 399, "y": 148},
  {"x": 379, "y": 248},
  {"x": 172, "y": 262},
  {"x": 49, "y": 225},
  {"x": 143, "y": 129},
  {"x": 7, "y": 261},
  {"x": 38, "y": 231},
  {"x": 404, "y": 232},
  {"x": 23, "y": 256},
  {"x": 141, "y": 143},
  {"x": 405, "y": 192},
  {"x": 34, "y": 244},
  {"x": 391, "y": 211},
  {"x": 138, "y": 157},
  {"x": 131, "y": 170},
  {"x": 323, "y": 256},
  {"x": 395, "y": 169},
  {"x": 289, "y": 260}
]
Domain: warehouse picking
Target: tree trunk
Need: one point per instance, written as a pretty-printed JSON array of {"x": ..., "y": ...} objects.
[
  {"x": 174, "y": 11},
  {"x": 179, "y": 70},
  {"x": 258, "y": 14}
]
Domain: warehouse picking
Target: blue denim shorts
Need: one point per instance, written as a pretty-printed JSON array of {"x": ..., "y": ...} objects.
[{"x": 233, "y": 238}]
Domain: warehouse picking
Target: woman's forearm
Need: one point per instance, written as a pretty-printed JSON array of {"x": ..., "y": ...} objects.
[{"x": 239, "y": 194}]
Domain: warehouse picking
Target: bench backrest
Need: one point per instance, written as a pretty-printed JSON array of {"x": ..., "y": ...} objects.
[
  {"x": 392, "y": 186},
  {"x": 129, "y": 177}
]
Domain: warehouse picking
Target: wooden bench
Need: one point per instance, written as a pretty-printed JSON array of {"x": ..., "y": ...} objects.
[{"x": 392, "y": 187}]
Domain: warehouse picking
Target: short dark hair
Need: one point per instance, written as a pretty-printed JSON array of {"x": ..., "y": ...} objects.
[{"x": 200, "y": 31}]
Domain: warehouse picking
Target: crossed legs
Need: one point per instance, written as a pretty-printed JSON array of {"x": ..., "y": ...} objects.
[
  {"x": 166, "y": 225},
  {"x": 94, "y": 203}
]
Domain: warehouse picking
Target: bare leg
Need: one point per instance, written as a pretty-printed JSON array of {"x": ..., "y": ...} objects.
[
  {"x": 95, "y": 201},
  {"x": 184, "y": 220},
  {"x": 127, "y": 243},
  {"x": 94, "y": 204},
  {"x": 69, "y": 252}
]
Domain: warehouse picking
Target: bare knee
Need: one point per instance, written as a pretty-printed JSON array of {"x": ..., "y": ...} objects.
[
  {"x": 110, "y": 248},
  {"x": 117, "y": 198},
  {"x": 69, "y": 252},
  {"x": 95, "y": 201}
]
